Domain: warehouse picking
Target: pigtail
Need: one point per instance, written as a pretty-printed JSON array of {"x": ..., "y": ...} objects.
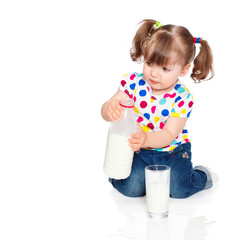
[
  {"x": 144, "y": 32},
  {"x": 203, "y": 63}
]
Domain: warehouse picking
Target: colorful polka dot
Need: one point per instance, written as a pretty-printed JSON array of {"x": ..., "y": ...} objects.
[
  {"x": 153, "y": 109},
  {"x": 162, "y": 101},
  {"x": 186, "y": 89},
  {"x": 159, "y": 149},
  {"x": 132, "y": 86},
  {"x": 132, "y": 77},
  {"x": 123, "y": 83},
  {"x": 183, "y": 111},
  {"x": 177, "y": 99},
  {"x": 126, "y": 91},
  {"x": 141, "y": 82},
  {"x": 165, "y": 112},
  {"x": 147, "y": 115},
  {"x": 175, "y": 114},
  {"x": 142, "y": 93},
  {"x": 185, "y": 137},
  {"x": 150, "y": 125},
  {"x": 153, "y": 98},
  {"x": 177, "y": 86},
  {"x": 171, "y": 148},
  {"x": 188, "y": 115},
  {"x": 156, "y": 119},
  {"x": 170, "y": 95},
  {"x": 161, "y": 125},
  {"x": 140, "y": 119},
  {"x": 143, "y": 104},
  {"x": 145, "y": 128},
  {"x": 180, "y": 104},
  {"x": 181, "y": 90},
  {"x": 174, "y": 142},
  {"x": 136, "y": 110},
  {"x": 191, "y": 104}
]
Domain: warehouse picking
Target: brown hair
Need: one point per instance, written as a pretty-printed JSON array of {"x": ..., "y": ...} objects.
[{"x": 171, "y": 44}]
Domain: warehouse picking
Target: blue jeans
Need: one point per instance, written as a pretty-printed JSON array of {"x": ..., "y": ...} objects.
[{"x": 185, "y": 180}]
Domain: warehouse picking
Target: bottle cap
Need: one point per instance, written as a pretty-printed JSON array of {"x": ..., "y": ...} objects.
[{"x": 127, "y": 103}]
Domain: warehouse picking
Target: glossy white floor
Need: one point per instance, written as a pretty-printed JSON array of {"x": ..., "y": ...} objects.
[
  {"x": 217, "y": 213},
  {"x": 65, "y": 201},
  {"x": 188, "y": 219}
]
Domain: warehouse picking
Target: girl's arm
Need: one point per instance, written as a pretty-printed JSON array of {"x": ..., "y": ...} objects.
[
  {"x": 112, "y": 110},
  {"x": 159, "y": 139}
]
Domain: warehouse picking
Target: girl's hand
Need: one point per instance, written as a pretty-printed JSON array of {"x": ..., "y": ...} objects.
[
  {"x": 114, "y": 111},
  {"x": 138, "y": 139}
]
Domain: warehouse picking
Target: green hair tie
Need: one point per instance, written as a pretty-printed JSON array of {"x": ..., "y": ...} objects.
[{"x": 158, "y": 24}]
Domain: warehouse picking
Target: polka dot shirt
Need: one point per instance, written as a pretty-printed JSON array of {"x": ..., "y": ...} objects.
[{"x": 152, "y": 111}]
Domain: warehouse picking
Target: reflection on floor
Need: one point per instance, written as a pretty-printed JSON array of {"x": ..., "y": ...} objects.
[{"x": 188, "y": 218}]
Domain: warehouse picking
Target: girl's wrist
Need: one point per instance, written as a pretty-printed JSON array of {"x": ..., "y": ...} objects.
[{"x": 145, "y": 139}]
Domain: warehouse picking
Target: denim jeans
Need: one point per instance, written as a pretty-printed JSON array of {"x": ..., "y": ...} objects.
[{"x": 185, "y": 180}]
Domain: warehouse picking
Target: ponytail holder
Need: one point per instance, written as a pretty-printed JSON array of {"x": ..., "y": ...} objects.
[
  {"x": 158, "y": 24},
  {"x": 197, "y": 40}
]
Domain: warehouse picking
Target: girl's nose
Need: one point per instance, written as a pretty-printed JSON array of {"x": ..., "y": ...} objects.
[{"x": 154, "y": 71}]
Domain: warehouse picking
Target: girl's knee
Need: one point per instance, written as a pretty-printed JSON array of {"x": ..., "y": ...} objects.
[
  {"x": 129, "y": 190},
  {"x": 133, "y": 190},
  {"x": 134, "y": 193}
]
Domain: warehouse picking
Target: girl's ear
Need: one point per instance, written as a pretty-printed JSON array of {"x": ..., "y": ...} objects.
[{"x": 185, "y": 70}]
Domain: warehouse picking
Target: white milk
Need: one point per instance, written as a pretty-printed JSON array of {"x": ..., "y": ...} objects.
[
  {"x": 157, "y": 197},
  {"x": 118, "y": 157}
]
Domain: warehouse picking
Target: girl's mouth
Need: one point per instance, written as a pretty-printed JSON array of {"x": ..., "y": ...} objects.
[{"x": 153, "y": 82}]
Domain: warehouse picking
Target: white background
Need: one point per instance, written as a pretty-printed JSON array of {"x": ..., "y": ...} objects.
[{"x": 59, "y": 62}]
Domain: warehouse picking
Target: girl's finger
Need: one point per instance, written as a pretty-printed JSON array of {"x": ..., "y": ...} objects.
[
  {"x": 136, "y": 147},
  {"x": 119, "y": 111},
  {"x": 134, "y": 136}
]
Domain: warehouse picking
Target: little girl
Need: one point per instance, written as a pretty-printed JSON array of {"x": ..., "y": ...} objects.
[{"x": 162, "y": 105}]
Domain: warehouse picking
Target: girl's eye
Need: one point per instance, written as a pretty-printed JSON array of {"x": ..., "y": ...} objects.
[
  {"x": 166, "y": 69},
  {"x": 148, "y": 63}
]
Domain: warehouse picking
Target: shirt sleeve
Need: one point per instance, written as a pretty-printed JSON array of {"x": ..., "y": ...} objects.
[
  {"x": 182, "y": 106},
  {"x": 128, "y": 84}
]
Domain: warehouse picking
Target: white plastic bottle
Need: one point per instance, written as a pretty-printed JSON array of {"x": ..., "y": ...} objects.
[{"x": 118, "y": 155}]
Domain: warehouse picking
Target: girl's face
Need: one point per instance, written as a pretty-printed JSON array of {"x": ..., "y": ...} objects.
[{"x": 162, "y": 79}]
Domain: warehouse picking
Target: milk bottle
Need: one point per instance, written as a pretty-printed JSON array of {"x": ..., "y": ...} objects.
[{"x": 118, "y": 155}]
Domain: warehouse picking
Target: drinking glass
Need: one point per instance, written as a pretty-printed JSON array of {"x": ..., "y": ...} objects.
[{"x": 157, "y": 190}]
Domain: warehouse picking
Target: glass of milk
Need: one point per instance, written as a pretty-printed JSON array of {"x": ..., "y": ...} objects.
[{"x": 157, "y": 190}]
